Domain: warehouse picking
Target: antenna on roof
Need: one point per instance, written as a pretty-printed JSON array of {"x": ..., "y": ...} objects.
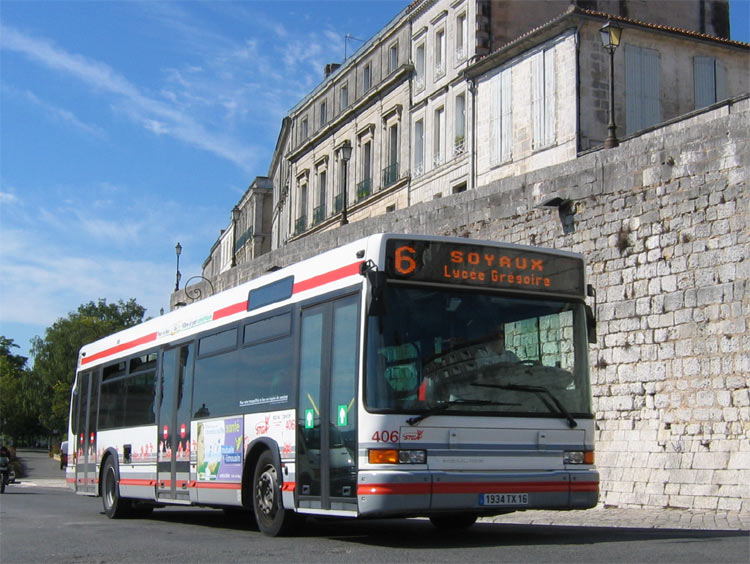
[{"x": 347, "y": 37}]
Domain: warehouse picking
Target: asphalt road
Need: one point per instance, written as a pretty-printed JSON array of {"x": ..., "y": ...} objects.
[{"x": 51, "y": 524}]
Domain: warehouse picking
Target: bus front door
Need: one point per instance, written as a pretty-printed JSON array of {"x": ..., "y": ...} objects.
[
  {"x": 327, "y": 407},
  {"x": 85, "y": 454},
  {"x": 173, "y": 424}
]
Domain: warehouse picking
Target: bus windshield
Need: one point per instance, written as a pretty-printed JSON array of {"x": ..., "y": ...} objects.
[{"x": 438, "y": 351}]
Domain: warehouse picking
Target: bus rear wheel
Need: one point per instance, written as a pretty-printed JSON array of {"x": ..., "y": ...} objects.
[
  {"x": 453, "y": 521},
  {"x": 273, "y": 520},
  {"x": 115, "y": 506}
]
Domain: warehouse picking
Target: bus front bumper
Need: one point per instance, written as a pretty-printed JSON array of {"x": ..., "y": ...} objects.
[{"x": 400, "y": 493}]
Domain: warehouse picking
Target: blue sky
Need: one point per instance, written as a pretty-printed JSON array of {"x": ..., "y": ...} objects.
[{"x": 128, "y": 126}]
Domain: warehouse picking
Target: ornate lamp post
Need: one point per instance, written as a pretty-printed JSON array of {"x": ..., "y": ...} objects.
[
  {"x": 345, "y": 153},
  {"x": 610, "y": 35},
  {"x": 177, "y": 250}
]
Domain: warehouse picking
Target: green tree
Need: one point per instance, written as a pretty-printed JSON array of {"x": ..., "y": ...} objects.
[
  {"x": 56, "y": 355},
  {"x": 20, "y": 396}
]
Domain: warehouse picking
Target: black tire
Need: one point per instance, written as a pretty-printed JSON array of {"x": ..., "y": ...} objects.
[
  {"x": 272, "y": 519},
  {"x": 115, "y": 506},
  {"x": 453, "y": 521}
]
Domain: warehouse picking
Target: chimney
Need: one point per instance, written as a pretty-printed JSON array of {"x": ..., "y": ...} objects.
[{"x": 331, "y": 68}]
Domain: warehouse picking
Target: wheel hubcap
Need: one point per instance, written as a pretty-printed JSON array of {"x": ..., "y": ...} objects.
[{"x": 266, "y": 491}]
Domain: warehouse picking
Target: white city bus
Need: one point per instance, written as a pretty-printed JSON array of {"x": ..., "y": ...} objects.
[{"x": 398, "y": 375}]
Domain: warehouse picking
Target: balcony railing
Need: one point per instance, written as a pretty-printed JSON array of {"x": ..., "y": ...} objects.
[
  {"x": 459, "y": 148},
  {"x": 460, "y": 54},
  {"x": 419, "y": 83},
  {"x": 390, "y": 174},
  {"x": 338, "y": 203},
  {"x": 319, "y": 214},
  {"x": 437, "y": 159},
  {"x": 300, "y": 225},
  {"x": 364, "y": 188},
  {"x": 439, "y": 69},
  {"x": 418, "y": 170}
]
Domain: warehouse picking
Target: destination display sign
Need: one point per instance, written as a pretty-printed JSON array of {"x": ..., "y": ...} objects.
[{"x": 484, "y": 266}]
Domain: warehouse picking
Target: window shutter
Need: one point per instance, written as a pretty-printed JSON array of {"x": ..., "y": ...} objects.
[
  {"x": 633, "y": 89},
  {"x": 507, "y": 132},
  {"x": 537, "y": 95},
  {"x": 704, "y": 79},
  {"x": 496, "y": 136},
  {"x": 651, "y": 94},
  {"x": 550, "y": 98},
  {"x": 721, "y": 81}
]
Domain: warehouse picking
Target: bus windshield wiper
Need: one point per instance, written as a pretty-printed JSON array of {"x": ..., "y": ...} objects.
[
  {"x": 544, "y": 394},
  {"x": 446, "y": 404}
]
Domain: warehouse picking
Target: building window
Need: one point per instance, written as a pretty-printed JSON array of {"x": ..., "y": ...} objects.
[
  {"x": 364, "y": 186},
  {"x": 419, "y": 67},
  {"x": 710, "y": 79},
  {"x": 301, "y": 223},
  {"x": 642, "y": 108},
  {"x": 393, "y": 58},
  {"x": 390, "y": 172},
  {"x": 366, "y": 77},
  {"x": 344, "y": 96},
  {"x": 500, "y": 117},
  {"x": 459, "y": 143},
  {"x": 439, "y": 53},
  {"x": 418, "y": 148},
  {"x": 543, "y": 98},
  {"x": 438, "y": 142},
  {"x": 323, "y": 117},
  {"x": 319, "y": 213},
  {"x": 461, "y": 29},
  {"x": 303, "y": 130}
]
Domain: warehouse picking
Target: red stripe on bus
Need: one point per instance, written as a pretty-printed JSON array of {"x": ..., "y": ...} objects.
[
  {"x": 288, "y": 486},
  {"x": 230, "y": 310},
  {"x": 136, "y": 482},
  {"x": 309, "y": 284},
  {"x": 394, "y": 489},
  {"x": 327, "y": 278},
  {"x": 584, "y": 486},
  {"x": 474, "y": 488},
  {"x": 119, "y": 348}
]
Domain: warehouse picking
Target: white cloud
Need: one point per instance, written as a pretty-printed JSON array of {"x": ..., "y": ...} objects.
[{"x": 152, "y": 113}]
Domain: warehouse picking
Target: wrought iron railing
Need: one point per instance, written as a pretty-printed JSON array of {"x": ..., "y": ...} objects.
[
  {"x": 300, "y": 225},
  {"x": 390, "y": 174},
  {"x": 319, "y": 214},
  {"x": 364, "y": 188}
]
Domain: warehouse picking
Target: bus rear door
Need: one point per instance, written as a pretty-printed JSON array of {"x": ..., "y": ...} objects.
[{"x": 173, "y": 423}]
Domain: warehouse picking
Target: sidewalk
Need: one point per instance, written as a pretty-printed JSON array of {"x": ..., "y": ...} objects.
[{"x": 635, "y": 518}]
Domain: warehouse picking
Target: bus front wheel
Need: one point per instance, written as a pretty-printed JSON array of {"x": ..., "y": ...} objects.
[
  {"x": 273, "y": 520},
  {"x": 114, "y": 506}
]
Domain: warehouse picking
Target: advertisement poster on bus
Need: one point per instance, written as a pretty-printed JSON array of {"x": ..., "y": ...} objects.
[{"x": 220, "y": 450}]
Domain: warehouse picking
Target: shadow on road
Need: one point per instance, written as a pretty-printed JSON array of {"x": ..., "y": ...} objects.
[{"x": 421, "y": 534}]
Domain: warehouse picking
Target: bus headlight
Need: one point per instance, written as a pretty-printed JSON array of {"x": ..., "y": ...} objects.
[
  {"x": 578, "y": 457},
  {"x": 396, "y": 456}
]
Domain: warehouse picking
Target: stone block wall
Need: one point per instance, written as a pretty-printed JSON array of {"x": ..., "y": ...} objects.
[{"x": 664, "y": 223}]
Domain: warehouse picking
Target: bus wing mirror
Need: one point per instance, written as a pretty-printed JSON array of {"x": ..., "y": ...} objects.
[
  {"x": 376, "y": 278},
  {"x": 591, "y": 324},
  {"x": 590, "y": 315}
]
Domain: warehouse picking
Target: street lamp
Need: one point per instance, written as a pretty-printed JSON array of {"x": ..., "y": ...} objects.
[
  {"x": 235, "y": 219},
  {"x": 610, "y": 35},
  {"x": 345, "y": 153},
  {"x": 177, "y": 250}
]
